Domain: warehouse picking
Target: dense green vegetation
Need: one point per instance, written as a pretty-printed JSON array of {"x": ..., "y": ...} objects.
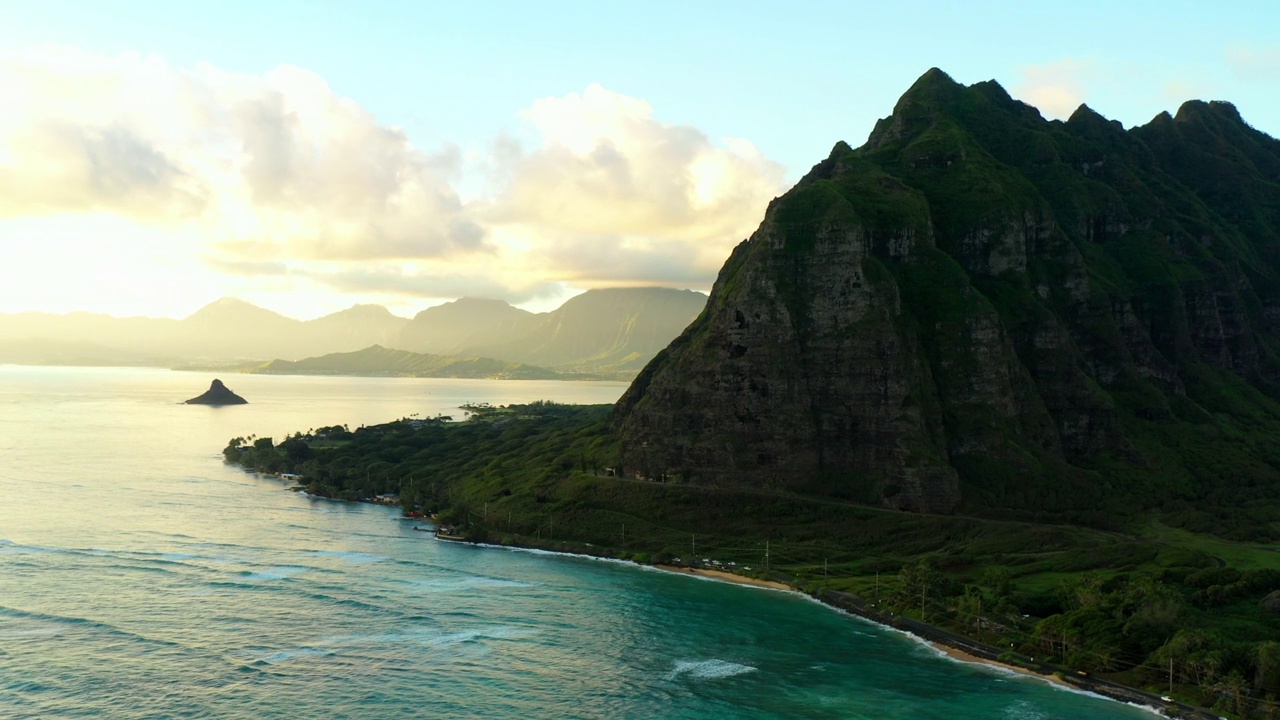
[{"x": 1124, "y": 605}]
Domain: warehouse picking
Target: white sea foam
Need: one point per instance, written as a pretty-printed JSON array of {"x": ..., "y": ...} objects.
[
  {"x": 276, "y": 658},
  {"x": 712, "y": 669},
  {"x": 11, "y": 548},
  {"x": 354, "y": 558},
  {"x": 489, "y": 632},
  {"x": 179, "y": 556},
  {"x": 434, "y": 636},
  {"x": 33, "y": 629},
  {"x": 466, "y": 583},
  {"x": 1023, "y": 710},
  {"x": 279, "y": 572}
]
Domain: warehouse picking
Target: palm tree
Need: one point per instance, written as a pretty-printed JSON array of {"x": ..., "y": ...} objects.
[{"x": 1234, "y": 684}]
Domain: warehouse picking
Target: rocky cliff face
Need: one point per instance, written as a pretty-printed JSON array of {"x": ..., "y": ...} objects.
[{"x": 980, "y": 307}]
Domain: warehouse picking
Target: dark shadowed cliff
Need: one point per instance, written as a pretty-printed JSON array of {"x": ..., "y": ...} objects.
[{"x": 980, "y": 308}]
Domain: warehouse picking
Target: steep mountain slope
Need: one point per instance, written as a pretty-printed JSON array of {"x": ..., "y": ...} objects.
[
  {"x": 356, "y": 327},
  {"x": 235, "y": 328},
  {"x": 983, "y": 309},
  {"x": 605, "y": 330}
]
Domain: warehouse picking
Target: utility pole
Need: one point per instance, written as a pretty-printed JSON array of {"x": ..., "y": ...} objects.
[
  {"x": 766, "y": 556},
  {"x": 693, "y": 543},
  {"x": 1170, "y": 677}
]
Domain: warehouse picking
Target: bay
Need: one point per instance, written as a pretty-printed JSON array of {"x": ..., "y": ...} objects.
[{"x": 140, "y": 577}]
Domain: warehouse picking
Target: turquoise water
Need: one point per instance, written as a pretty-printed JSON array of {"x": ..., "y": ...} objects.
[{"x": 142, "y": 578}]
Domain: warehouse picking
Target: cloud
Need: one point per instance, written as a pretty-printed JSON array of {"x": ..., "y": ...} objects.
[
  {"x": 248, "y": 268},
  {"x": 1057, "y": 88},
  {"x": 1255, "y": 63},
  {"x": 275, "y": 181},
  {"x": 397, "y": 280},
  {"x": 610, "y": 192},
  {"x": 612, "y": 260},
  {"x": 278, "y": 162}
]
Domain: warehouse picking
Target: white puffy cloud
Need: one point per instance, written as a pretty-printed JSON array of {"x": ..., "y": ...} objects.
[
  {"x": 611, "y": 194},
  {"x": 276, "y": 184},
  {"x": 278, "y": 163},
  {"x": 1056, "y": 88}
]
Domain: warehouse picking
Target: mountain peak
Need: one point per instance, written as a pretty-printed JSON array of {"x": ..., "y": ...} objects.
[
  {"x": 367, "y": 310},
  {"x": 479, "y": 301},
  {"x": 933, "y": 78},
  {"x": 905, "y": 325},
  {"x": 1088, "y": 120},
  {"x": 1211, "y": 111},
  {"x": 932, "y": 95},
  {"x": 234, "y": 308},
  {"x": 935, "y": 88},
  {"x": 229, "y": 302}
]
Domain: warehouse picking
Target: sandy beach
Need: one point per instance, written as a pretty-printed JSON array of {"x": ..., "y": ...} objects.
[
  {"x": 963, "y": 656},
  {"x": 725, "y": 576}
]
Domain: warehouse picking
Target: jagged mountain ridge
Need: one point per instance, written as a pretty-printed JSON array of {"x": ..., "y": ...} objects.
[
  {"x": 980, "y": 308},
  {"x": 603, "y": 330}
]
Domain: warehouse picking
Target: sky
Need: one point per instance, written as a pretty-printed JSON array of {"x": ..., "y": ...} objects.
[{"x": 308, "y": 156}]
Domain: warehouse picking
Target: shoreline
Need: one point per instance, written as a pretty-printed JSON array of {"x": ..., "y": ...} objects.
[
  {"x": 954, "y": 647},
  {"x": 725, "y": 576},
  {"x": 965, "y": 657}
]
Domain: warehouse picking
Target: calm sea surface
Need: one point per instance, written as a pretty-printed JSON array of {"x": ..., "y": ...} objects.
[{"x": 140, "y": 577}]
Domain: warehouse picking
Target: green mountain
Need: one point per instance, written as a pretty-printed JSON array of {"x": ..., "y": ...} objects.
[
  {"x": 984, "y": 311},
  {"x": 605, "y": 330},
  {"x": 443, "y": 329},
  {"x": 386, "y": 362}
]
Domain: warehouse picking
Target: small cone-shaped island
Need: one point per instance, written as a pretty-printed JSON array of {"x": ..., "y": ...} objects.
[{"x": 218, "y": 394}]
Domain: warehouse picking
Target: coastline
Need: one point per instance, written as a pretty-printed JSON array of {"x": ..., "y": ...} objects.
[
  {"x": 955, "y": 647},
  {"x": 961, "y": 656},
  {"x": 725, "y": 576}
]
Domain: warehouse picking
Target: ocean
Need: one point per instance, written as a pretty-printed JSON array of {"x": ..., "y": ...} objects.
[{"x": 141, "y": 577}]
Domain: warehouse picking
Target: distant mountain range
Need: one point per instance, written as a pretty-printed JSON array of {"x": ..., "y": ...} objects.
[
  {"x": 610, "y": 332},
  {"x": 379, "y": 361}
]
